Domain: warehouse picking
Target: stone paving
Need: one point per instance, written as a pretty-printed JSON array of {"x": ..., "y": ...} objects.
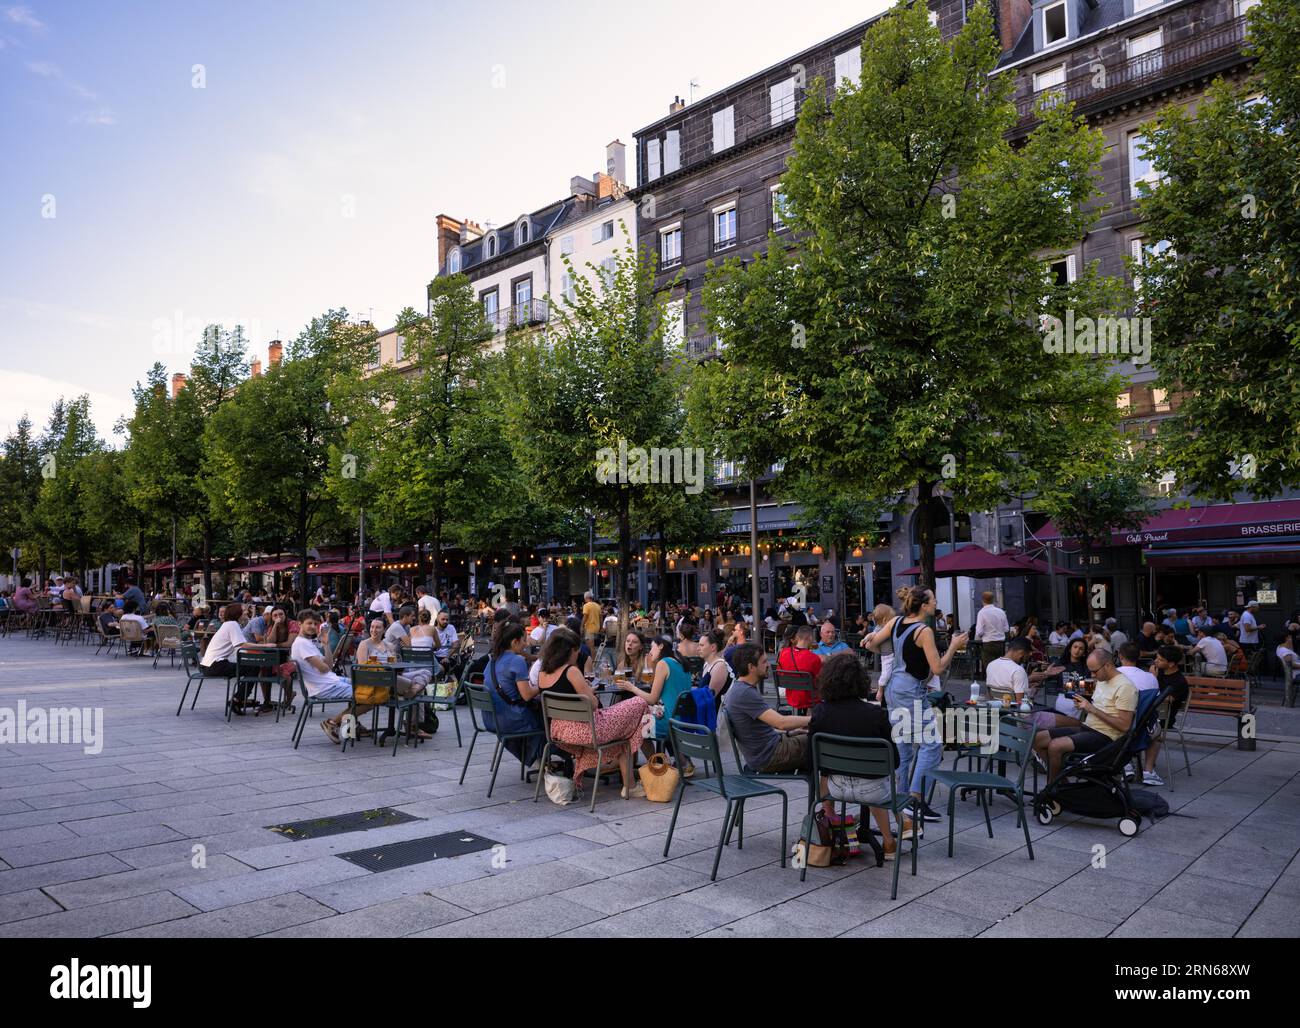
[{"x": 104, "y": 844}]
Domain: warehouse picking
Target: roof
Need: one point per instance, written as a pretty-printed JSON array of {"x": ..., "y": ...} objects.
[
  {"x": 1106, "y": 14},
  {"x": 544, "y": 221}
]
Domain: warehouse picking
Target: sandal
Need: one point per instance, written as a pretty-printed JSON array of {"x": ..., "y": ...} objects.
[
  {"x": 266, "y": 708},
  {"x": 332, "y": 730}
]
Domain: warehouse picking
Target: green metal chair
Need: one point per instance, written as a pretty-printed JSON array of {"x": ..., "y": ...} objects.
[
  {"x": 480, "y": 703},
  {"x": 698, "y": 743},
  {"x": 1016, "y": 741},
  {"x": 378, "y": 677},
  {"x": 578, "y": 709},
  {"x": 860, "y": 758},
  {"x": 253, "y": 669},
  {"x": 803, "y": 778},
  {"x": 309, "y": 704},
  {"x": 193, "y": 673}
]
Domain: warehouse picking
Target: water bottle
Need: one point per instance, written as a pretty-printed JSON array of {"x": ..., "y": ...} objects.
[{"x": 975, "y": 688}]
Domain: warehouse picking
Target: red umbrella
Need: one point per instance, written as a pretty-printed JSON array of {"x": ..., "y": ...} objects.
[{"x": 976, "y": 562}]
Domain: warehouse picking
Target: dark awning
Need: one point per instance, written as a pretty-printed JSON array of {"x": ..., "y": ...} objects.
[
  {"x": 1227, "y": 521},
  {"x": 1229, "y": 555}
]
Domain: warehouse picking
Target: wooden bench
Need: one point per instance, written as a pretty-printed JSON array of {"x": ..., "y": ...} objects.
[{"x": 1229, "y": 697}]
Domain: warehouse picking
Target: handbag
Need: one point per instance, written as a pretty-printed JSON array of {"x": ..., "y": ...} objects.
[
  {"x": 659, "y": 779},
  {"x": 820, "y": 853},
  {"x": 560, "y": 789}
]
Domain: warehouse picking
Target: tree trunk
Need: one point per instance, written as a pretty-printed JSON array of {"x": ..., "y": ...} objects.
[
  {"x": 925, "y": 532},
  {"x": 624, "y": 558},
  {"x": 207, "y": 559},
  {"x": 302, "y": 549},
  {"x": 753, "y": 558},
  {"x": 661, "y": 563},
  {"x": 841, "y": 565},
  {"x": 1087, "y": 587},
  {"x": 435, "y": 559}
]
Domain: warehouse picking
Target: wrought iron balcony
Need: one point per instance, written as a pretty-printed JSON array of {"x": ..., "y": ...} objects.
[
  {"x": 1089, "y": 88},
  {"x": 519, "y": 315}
]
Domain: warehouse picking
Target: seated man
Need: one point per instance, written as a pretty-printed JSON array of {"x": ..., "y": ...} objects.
[
  {"x": 1108, "y": 715},
  {"x": 829, "y": 642},
  {"x": 763, "y": 736},
  {"x": 1169, "y": 675},
  {"x": 1211, "y": 650},
  {"x": 398, "y": 633},
  {"x": 1008, "y": 672},
  {"x": 311, "y": 652}
]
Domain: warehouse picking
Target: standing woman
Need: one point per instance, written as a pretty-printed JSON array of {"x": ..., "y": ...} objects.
[
  {"x": 620, "y": 723},
  {"x": 916, "y": 661}
]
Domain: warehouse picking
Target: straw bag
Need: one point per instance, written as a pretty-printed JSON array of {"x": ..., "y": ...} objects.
[{"x": 659, "y": 779}]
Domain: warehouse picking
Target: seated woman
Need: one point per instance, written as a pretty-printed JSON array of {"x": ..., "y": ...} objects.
[
  {"x": 108, "y": 618},
  {"x": 668, "y": 681},
  {"x": 716, "y": 674},
  {"x": 423, "y": 637},
  {"x": 375, "y": 649},
  {"x": 634, "y": 656},
  {"x": 514, "y": 697},
  {"x": 844, "y": 685},
  {"x": 1072, "y": 667},
  {"x": 281, "y": 633},
  {"x": 620, "y": 723}
]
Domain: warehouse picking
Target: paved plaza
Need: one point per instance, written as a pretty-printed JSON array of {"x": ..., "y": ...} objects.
[{"x": 106, "y": 844}]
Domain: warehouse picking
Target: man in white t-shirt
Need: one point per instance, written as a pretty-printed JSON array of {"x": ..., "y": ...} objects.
[
  {"x": 311, "y": 652},
  {"x": 544, "y": 627},
  {"x": 427, "y": 601},
  {"x": 1117, "y": 637},
  {"x": 1249, "y": 625},
  {"x": 383, "y": 604},
  {"x": 1128, "y": 666},
  {"x": 1216, "y": 657}
]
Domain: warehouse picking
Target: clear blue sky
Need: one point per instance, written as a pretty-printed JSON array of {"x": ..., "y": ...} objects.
[{"x": 178, "y": 206}]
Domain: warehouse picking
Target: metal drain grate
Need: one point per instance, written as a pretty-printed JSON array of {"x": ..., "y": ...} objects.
[
  {"x": 356, "y": 821},
  {"x": 418, "y": 851}
]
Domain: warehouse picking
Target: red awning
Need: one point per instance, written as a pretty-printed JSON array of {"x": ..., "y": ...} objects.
[
  {"x": 1277, "y": 554},
  {"x": 274, "y": 565},
  {"x": 976, "y": 562},
  {"x": 1244, "y": 521},
  {"x": 339, "y": 568}
]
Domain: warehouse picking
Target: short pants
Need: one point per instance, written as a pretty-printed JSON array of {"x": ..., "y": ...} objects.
[{"x": 1086, "y": 740}]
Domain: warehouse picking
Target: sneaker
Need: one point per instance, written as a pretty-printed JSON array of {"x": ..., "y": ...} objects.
[
  {"x": 925, "y": 812},
  {"x": 1130, "y": 775},
  {"x": 1039, "y": 762},
  {"x": 891, "y": 852},
  {"x": 1151, "y": 778},
  {"x": 906, "y": 828}
]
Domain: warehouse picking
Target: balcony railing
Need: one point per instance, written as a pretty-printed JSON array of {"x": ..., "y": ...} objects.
[
  {"x": 1088, "y": 87},
  {"x": 702, "y": 347},
  {"x": 518, "y": 315}
]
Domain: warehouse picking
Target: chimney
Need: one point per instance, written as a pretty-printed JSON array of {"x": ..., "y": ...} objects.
[
  {"x": 255, "y": 367},
  {"x": 607, "y": 186},
  {"x": 178, "y": 383},
  {"x": 678, "y": 104},
  {"x": 616, "y": 161},
  {"x": 579, "y": 186},
  {"x": 274, "y": 352},
  {"x": 469, "y": 231},
  {"x": 1011, "y": 17},
  {"x": 448, "y": 237}
]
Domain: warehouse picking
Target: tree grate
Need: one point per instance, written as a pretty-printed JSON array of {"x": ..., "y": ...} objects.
[
  {"x": 418, "y": 851},
  {"x": 356, "y": 821}
]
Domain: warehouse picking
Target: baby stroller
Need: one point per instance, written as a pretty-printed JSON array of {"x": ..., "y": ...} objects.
[{"x": 1093, "y": 785}]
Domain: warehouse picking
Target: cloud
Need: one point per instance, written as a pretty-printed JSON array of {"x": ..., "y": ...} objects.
[
  {"x": 102, "y": 116},
  {"x": 44, "y": 69},
  {"x": 23, "y": 16},
  {"x": 21, "y": 391}
]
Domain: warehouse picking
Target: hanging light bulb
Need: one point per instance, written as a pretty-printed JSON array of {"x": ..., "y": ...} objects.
[
  {"x": 857, "y": 551},
  {"x": 817, "y": 551}
]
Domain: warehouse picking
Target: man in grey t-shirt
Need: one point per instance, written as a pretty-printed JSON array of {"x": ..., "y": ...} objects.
[
  {"x": 399, "y": 632},
  {"x": 759, "y": 730}
]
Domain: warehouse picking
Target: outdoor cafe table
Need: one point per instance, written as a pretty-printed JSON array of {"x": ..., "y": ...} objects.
[{"x": 399, "y": 666}]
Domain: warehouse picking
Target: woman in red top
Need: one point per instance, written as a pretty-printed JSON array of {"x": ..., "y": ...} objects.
[{"x": 800, "y": 657}]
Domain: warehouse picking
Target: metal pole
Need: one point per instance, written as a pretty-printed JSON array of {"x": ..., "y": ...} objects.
[
  {"x": 753, "y": 553},
  {"x": 361, "y": 560},
  {"x": 1051, "y": 580},
  {"x": 952, "y": 548},
  {"x": 591, "y": 556},
  {"x": 173, "y": 557}
]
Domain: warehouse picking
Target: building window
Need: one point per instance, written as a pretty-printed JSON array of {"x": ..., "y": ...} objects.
[
  {"x": 1160, "y": 398},
  {"x": 848, "y": 65},
  {"x": 1245, "y": 5},
  {"x": 601, "y": 232},
  {"x": 1052, "y": 78},
  {"x": 675, "y": 324},
  {"x": 522, "y": 232},
  {"x": 1147, "y": 48},
  {"x": 567, "y": 289},
  {"x": 1141, "y": 251},
  {"x": 491, "y": 245},
  {"x": 1143, "y": 5},
  {"x": 608, "y": 269},
  {"x": 401, "y": 348},
  {"x": 670, "y": 246},
  {"x": 782, "y": 102},
  {"x": 1140, "y": 168},
  {"x": 778, "y": 208},
  {"x": 523, "y": 300},
  {"x": 724, "y": 226},
  {"x": 934, "y": 19},
  {"x": 653, "y": 162},
  {"x": 453, "y": 263},
  {"x": 1055, "y": 24},
  {"x": 491, "y": 303},
  {"x": 1124, "y": 401},
  {"x": 672, "y": 151},
  {"x": 1063, "y": 270},
  {"x": 724, "y": 129},
  {"x": 566, "y": 245}
]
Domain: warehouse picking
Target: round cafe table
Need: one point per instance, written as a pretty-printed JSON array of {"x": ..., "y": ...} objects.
[{"x": 399, "y": 666}]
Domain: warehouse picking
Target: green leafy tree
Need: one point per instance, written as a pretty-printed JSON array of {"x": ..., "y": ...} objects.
[
  {"x": 69, "y": 477},
  {"x": 270, "y": 444},
  {"x": 20, "y": 486},
  {"x": 915, "y": 356},
  {"x": 1225, "y": 294},
  {"x": 832, "y": 515},
  {"x": 604, "y": 373}
]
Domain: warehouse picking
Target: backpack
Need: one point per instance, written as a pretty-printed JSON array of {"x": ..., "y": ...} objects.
[{"x": 1150, "y": 805}]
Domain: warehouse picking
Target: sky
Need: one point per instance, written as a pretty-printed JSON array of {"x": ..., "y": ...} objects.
[{"x": 170, "y": 165}]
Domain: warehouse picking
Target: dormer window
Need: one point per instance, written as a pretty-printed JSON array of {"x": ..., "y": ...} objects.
[
  {"x": 523, "y": 232},
  {"x": 453, "y": 263},
  {"x": 1055, "y": 24},
  {"x": 490, "y": 246}
]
